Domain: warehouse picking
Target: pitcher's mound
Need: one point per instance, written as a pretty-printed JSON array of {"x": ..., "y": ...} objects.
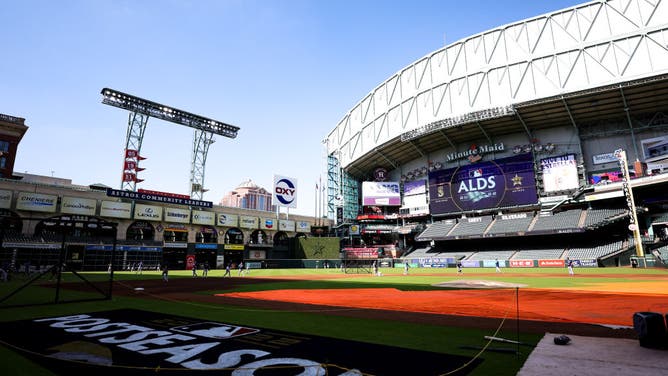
[{"x": 478, "y": 284}]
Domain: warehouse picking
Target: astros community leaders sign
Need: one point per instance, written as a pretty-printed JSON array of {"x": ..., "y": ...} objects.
[{"x": 157, "y": 198}]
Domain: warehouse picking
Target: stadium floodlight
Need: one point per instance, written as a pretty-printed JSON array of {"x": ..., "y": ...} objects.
[{"x": 135, "y": 104}]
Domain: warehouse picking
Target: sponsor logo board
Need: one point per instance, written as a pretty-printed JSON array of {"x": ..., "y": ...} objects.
[
  {"x": 285, "y": 191},
  {"x": 36, "y": 202},
  {"x": 521, "y": 263},
  {"x": 5, "y": 199},
  {"x": 114, "y": 209},
  {"x": 77, "y": 205},
  {"x": 551, "y": 263}
]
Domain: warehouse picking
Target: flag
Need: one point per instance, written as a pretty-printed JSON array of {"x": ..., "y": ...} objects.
[
  {"x": 131, "y": 176},
  {"x": 133, "y": 154}
]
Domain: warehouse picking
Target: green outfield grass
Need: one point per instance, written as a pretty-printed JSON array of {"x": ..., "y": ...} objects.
[{"x": 400, "y": 334}]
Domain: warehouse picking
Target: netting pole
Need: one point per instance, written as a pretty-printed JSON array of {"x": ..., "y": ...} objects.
[
  {"x": 59, "y": 270},
  {"x": 517, "y": 305},
  {"x": 112, "y": 266}
]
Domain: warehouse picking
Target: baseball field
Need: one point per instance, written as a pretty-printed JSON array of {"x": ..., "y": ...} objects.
[{"x": 316, "y": 321}]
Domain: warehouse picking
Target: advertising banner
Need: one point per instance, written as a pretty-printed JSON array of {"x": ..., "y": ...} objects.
[
  {"x": 492, "y": 263},
  {"x": 303, "y": 226},
  {"x": 483, "y": 185},
  {"x": 591, "y": 263},
  {"x": 268, "y": 224},
  {"x": 604, "y": 158},
  {"x": 36, "y": 202},
  {"x": 5, "y": 199},
  {"x": 285, "y": 225},
  {"x": 174, "y": 215},
  {"x": 551, "y": 263},
  {"x": 116, "y": 209},
  {"x": 521, "y": 263},
  {"x": 76, "y": 205},
  {"x": 415, "y": 187},
  {"x": 257, "y": 255},
  {"x": 81, "y": 206},
  {"x": 203, "y": 218},
  {"x": 234, "y": 247},
  {"x": 285, "y": 191},
  {"x": 381, "y": 193},
  {"x": 148, "y": 212},
  {"x": 229, "y": 220},
  {"x": 470, "y": 264},
  {"x": 605, "y": 177},
  {"x": 166, "y": 194},
  {"x": 248, "y": 222}
]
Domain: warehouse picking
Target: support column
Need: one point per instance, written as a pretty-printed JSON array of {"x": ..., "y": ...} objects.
[
  {"x": 201, "y": 142},
  {"x": 136, "y": 127}
]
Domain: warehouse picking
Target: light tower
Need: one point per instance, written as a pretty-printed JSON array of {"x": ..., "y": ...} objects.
[{"x": 140, "y": 110}]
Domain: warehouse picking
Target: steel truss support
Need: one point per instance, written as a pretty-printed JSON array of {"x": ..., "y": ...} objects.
[
  {"x": 416, "y": 148},
  {"x": 526, "y": 128},
  {"x": 386, "y": 159},
  {"x": 136, "y": 127},
  {"x": 201, "y": 142},
  {"x": 484, "y": 133}
]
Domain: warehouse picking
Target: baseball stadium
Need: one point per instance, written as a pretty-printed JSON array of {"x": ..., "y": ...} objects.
[{"x": 498, "y": 206}]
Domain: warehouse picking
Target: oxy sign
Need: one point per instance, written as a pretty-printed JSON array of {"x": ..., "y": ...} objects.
[{"x": 285, "y": 191}]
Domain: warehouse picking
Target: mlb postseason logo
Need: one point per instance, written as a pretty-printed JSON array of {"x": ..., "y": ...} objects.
[
  {"x": 101, "y": 343},
  {"x": 285, "y": 191}
]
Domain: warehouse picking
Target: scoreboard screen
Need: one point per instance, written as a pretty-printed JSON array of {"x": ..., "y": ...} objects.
[{"x": 483, "y": 185}]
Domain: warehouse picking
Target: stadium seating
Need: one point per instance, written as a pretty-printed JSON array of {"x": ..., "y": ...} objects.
[
  {"x": 510, "y": 225},
  {"x": 455, "y": 255},
  {"x": 539, "y": 254},
  {"x": 471, "y": 226},
  {"x": 437, "y": 229},
  {"x": 492, "y": 255},
  {"x": 568, "y": 219},
  {"x": 594, "y": 252},
  {"x": 599, "y": 217},
  {"x": 420, "y": 252}
]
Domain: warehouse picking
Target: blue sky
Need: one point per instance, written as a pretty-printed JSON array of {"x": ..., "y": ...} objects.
[{"x": 284, "y": 71}]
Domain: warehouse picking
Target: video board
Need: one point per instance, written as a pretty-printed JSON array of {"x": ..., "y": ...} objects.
[
  {"x": 484, "y": 185},
  {"x": 560, "y": 173},
  {"x": 381, "y": 193}
]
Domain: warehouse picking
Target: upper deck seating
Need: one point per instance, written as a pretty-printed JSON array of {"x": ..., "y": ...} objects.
[
  {"x": 562, "y": 220},
  {"x": 471, "y": 226}
]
